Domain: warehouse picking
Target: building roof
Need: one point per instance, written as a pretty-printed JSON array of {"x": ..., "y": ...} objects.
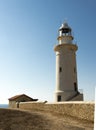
[{"x": 20, "y": 95}]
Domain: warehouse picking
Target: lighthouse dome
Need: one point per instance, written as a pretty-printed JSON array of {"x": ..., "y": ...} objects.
[{"x": 65, "y": 28}]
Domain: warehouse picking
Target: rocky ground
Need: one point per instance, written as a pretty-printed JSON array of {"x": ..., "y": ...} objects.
[{"x": 11, "y": 119}]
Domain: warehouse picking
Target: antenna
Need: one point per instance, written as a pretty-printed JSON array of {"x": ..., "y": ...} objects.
[{"x": 65, "y": 20}]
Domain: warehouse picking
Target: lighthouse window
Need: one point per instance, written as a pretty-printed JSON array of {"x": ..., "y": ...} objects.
[
  {"x": 60, "y": 69},
  {"x": 59, "y": 98},
  {"x": 75, "y": 86},
  {"x": 74, "y": 70}
]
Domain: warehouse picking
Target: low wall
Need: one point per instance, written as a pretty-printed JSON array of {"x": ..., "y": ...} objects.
[{"x": 81, "y": 110}]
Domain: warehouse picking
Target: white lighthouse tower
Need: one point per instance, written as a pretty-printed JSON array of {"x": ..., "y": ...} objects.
[{"x": 66, "y": 70}]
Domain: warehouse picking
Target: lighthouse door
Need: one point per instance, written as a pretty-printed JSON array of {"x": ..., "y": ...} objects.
[{"x": 59, "y": 98}]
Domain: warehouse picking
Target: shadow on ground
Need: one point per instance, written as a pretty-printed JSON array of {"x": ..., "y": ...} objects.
[{"x": 11, "y": 119}]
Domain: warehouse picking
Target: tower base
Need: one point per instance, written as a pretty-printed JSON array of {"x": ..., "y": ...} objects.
[{"x": 68, "y": 96}]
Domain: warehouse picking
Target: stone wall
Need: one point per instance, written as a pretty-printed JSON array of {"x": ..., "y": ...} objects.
[{"x": 81, "y": 110}]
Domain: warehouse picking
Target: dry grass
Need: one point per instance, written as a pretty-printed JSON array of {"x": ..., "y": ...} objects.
[{"x": 11, "y": 119}]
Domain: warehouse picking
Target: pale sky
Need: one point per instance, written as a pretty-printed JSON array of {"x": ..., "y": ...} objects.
[{"x": 28, "y": 34}]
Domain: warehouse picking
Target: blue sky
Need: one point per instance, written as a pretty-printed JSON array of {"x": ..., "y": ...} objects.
[{"x": 28, "y": 34}]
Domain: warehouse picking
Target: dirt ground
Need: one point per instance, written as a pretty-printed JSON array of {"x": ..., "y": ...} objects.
[{"x": 11, "y": 119}]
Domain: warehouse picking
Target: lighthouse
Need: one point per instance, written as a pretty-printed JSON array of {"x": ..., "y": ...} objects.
[{"x": 66, "y": 68}]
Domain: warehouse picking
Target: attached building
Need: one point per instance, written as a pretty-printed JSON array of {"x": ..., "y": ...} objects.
[{"x": 15, "y": 100}]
